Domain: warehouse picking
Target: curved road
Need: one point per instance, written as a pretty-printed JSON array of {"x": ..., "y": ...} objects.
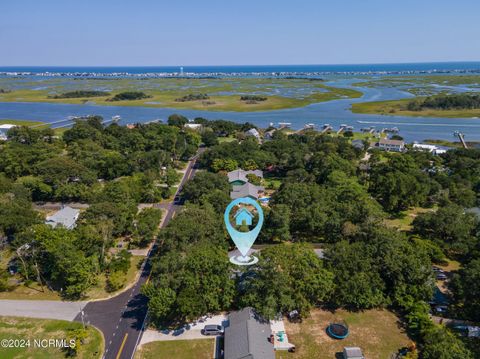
[{"x": 121, "y": 318}]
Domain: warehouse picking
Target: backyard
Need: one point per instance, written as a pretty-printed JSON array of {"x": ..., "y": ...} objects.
[
  {"x": 376, "y": 332},
  {"x": 177, "y": 349}
]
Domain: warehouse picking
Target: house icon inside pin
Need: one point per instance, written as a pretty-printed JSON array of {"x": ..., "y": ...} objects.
[{"x": 243, "y": 217}]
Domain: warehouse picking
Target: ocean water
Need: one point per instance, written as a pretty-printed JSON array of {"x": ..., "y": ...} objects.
[{"x": 348, "y": 68}]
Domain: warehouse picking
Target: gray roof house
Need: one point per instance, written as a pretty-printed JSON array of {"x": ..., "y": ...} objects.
[
  {"x": 246, "y": 190},
  {"x": 240, "y": 176},
  {"x": 247, "y": 336},
  {"x": 253, "y": 132},
  {"x": 66, "y": 217}
]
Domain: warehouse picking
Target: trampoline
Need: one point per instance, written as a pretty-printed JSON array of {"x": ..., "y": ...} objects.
[{"x": 338, "y": 330}]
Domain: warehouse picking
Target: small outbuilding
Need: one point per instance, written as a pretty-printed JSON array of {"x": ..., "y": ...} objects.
[{"x": 352, "y": 353}]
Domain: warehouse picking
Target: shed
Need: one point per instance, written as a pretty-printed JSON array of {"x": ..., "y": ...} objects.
[{"x": 352, "y": 353}]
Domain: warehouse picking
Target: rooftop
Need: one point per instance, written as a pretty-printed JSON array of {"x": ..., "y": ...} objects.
[
  {"x": 66, "y": 217},
  {"x": 386, "y": 141},
  {"x": 241, "y": 175},
  {"x": 6, "y": 126},
  {"x": 247, "y": 336},
  {"x": 246, "y": 190}
]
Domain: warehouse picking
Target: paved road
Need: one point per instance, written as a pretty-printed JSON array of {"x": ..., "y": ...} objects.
[
  {"x": 45, "y": 309},
  {"x": 121, "y": 318}
]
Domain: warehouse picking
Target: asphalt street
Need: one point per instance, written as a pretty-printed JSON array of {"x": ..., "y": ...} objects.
[{"x": 122, "y": 318}]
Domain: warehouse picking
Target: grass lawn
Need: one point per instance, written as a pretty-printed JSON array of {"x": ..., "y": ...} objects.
[
  {"x": 398, "y": 108},
  {"x": 34, "y": 292},
  {"x": 177, "y": 349},
  {"x": 28, "y": 328},
  {"x": 376, "y": 332},
  {"x": 226, "y": 139},
  {"x": 99, "y": 292},
  {"x": 404, "y": 220},
  {"x": 57, "y": 131},
  {"x": 19, "y": 122}
]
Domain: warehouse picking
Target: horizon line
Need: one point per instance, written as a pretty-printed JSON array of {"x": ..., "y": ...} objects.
[{"x": 259, "y": 65}]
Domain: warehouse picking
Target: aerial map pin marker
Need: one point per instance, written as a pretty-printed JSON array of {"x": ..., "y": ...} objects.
[{"x": 243, "y": 240}]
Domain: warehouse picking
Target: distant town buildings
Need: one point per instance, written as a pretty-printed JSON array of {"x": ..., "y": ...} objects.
[
  {"x": 391, "y": 145},
  {"x": 66, "y": 217}
]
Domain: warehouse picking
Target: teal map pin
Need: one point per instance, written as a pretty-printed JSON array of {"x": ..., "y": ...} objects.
[{"x": 243, "y": 240}]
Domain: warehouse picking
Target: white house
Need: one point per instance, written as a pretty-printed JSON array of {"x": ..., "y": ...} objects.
[
  {"x": 391, "y": 145},
  {"x": 4, "y": 129},
  {"x": 194, "y": 126},
  {"x": 430, "y": 148}
]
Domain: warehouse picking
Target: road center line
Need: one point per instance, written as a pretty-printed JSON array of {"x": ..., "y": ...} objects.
[{"x": 121, "y": 346}]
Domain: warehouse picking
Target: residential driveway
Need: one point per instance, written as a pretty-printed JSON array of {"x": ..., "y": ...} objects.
[
  {"x": 45, "y": 309},
  {"x": 191, "y": 331}
]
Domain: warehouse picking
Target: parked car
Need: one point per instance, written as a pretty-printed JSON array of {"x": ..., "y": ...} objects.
[
  {"x": 212, "y": 329},
  {"x": 437, "y": 269}
]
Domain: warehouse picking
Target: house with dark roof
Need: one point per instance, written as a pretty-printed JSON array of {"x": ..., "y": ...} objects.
[
  {"x": 247, "y": 336},
  {"x": 66, "y": 217},
  {"x": 239, "y": 177},
  {"x": 247, "y": 190}
]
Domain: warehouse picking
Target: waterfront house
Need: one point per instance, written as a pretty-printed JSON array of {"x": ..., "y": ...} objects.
[
  {"x": 66, "y": 217},
  {"x": 391, "y": 145},
  {"x": 194, "y": 126},
  {"x": 253, "y": 132},
  {"x": 239, "y": 177},
  {"x": 269, "y": 135},
  {"x": 4, "y": 129},
  {"x": 247, "y": 336}
]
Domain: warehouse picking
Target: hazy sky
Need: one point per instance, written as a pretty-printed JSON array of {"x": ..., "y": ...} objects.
[{"x": 226, "y": 32}]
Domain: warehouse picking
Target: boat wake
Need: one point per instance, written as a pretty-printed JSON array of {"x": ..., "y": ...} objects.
[{"x": 417, "y": 124}]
